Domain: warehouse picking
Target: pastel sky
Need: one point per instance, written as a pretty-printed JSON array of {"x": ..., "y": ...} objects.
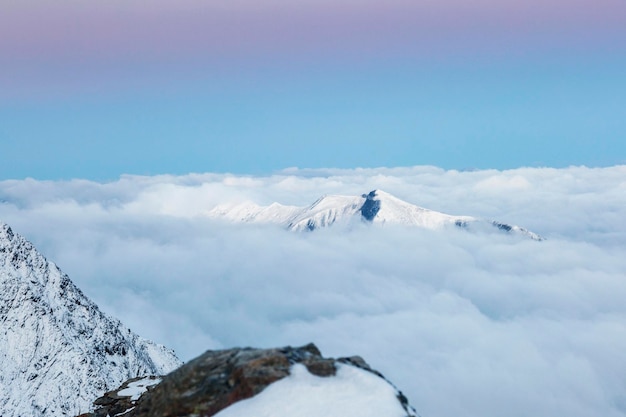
[{"x": 96, "y": 90}]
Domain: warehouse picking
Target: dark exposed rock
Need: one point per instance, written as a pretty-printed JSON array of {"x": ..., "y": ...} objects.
[
  {"x": 370, "y": 207},
  {"x": 460, "y": 223},
  {"x": 217, "y": 379},
  {"x": 502, "y": 226}
]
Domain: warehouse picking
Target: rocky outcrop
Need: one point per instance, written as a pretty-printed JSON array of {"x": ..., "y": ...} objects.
[
  {"x": 121, "y": 400},
  {"x": 217, "y": 379}
]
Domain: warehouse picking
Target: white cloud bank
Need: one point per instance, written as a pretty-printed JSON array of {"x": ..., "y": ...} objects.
[{"x": 465, "y": 324}]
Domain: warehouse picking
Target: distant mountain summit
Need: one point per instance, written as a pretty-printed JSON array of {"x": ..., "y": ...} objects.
[
  {"x": 376, "y": 207},
  {"x": 58, "y": 351}
]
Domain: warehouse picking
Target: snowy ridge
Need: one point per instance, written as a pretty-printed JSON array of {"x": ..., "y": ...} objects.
[
  {"x": 251, "y": 212},
  {"x": 58, "y": 351},
  {"x": 377, "y": 207},
  {"x": 326, "y": 211}
]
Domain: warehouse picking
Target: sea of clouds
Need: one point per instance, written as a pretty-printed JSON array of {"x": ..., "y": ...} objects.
[{"x": 466, "y": 324}]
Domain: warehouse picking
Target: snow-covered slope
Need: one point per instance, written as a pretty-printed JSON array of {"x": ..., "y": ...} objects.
[
  {"x": 375, "y": 207},
  {"x": 352, "y": 392},
  {"x": 58, "y": 351},
  {"x": 326, "y": 211}
]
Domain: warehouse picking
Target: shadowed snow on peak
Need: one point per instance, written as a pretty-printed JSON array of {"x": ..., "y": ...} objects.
[
  {"x": 377, "y": 207},
  {"x": 58, "y": 351}
]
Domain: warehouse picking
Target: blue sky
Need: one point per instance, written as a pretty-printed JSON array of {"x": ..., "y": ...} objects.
[{"x": 500, "y": 90}]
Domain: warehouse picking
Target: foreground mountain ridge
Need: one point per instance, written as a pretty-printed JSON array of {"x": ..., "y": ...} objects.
[
  {"x": 376, "y": 207},
  {"x": 58, "y": 351}
]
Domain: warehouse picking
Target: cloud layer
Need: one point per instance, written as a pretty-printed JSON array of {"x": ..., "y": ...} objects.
[{"x": 464, "y": 324}]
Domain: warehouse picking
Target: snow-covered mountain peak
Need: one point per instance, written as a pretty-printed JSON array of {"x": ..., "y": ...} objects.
[
  {"x": 382, "y": 207},
  {"x": 5, "y": 231},
  {"x": 57, "y": 349},
  {"x": 387, "y": 199},
  {"x": 377, "y": 207}
]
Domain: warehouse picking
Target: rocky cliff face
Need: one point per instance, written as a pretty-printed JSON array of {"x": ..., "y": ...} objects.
[
  {"x": 271, "y": 382},
  {"x": 58, "y": 351}
]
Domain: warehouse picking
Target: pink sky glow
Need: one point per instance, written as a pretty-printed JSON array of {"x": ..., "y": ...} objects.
[
  {"x": 76, "y": 30},
  {"x": 43, "y": 37}
]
